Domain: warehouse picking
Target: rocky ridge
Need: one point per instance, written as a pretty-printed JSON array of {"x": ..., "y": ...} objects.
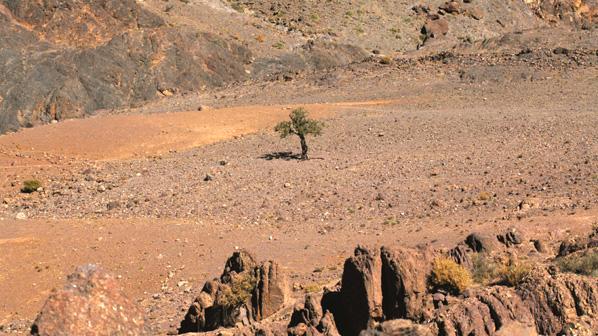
[{"x": 386, "y": 291}]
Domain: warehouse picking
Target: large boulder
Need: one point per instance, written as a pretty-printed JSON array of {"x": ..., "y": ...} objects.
[
  {"x": 92, "y": 303},
  {"x": 270, "y": 293},
  {"x": 481, "y": 242},
  {"x": 404, "y": 283}
]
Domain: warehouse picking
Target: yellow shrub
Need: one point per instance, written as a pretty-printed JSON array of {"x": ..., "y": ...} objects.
[
  {"x": 449, "y": 275},
  {"x": 238, "y": 291}
]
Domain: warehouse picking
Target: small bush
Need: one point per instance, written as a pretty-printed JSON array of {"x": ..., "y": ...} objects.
[
  {"x": 312, "y": 288},
  {"x": 514, "y": 273},
  {"x": 30, "y": 186},
  {"x": 450, "y": 276},
  {"x": 238, "y": 291},
  {"x": 260, "y": 38},
  {"x": 484, "y": 196},
  {"x": 279, "y": 45},
  {"x": 385, "y": 60},
  {"x": 586, "y": 264},
  {"x": 485, "y": 269}
]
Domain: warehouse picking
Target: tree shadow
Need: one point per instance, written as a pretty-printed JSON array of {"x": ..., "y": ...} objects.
[{"x": 287, "y": 156}]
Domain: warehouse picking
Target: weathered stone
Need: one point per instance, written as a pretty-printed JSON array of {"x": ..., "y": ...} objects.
[
  {"x": 271, "y": 290},
  {"x": 435, "y": 28},
  {"x": 92, "y": 303},
  {"x": 479, "y": 242},
  {"x": 461, "y": 255},
  {"x": 404, "y": 283},
  {"x": 487, "y": 312},
  {"x": 511, "y": 237},
  {"x": 561, "y": 300},
  {"x": 399, "y": 328}
]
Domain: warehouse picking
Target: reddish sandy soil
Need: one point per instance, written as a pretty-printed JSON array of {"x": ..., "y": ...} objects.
[{"x": 426, "y": 159}]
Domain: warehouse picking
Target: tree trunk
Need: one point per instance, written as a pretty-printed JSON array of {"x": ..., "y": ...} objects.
[{"x": 304, "y": 148}]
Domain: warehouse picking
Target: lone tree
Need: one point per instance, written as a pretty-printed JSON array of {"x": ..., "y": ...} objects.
[{"x": 300, "y": 125}]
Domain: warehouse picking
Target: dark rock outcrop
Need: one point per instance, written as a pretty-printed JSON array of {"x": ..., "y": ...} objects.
[
  {"x": 92, "y": 303},
  {"x": 358, "y": 304},
  {"x": 245, "y": 293},
  {"x": 133, "y": 59},
  {"x": 63, "y": 59},
  {"x": 308, "y": 319}
]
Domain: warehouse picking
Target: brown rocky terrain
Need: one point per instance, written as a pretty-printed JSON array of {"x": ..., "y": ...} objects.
[
  {"x": 460, "y": 156},
  {"x": 69, "y": 59}
]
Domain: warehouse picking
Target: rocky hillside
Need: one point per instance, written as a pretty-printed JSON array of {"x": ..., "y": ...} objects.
[
  {"x": 502, "y": 284},
  {"x": 69, "y": 58}
]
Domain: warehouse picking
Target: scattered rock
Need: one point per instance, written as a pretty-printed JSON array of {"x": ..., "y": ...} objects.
[
  {"x": 451, "y": 7},
  {"x": 511, "y": 237},
  {"x": 560, "y": 51},
  {"x": 487, "y": 312},
  {"x": 399, "y": 327},
  {"x": 435, "y": 28}
]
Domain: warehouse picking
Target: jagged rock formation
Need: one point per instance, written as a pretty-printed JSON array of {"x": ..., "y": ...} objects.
[
  {"x": 358, "y": 304},
  {"x": 382, "y": 292},
  {"x": 308, "y": 319},
  {"x": 543, "y": 303},
  {"x": 245, "y": 293},
  {"x": 92, "y": 303}
]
